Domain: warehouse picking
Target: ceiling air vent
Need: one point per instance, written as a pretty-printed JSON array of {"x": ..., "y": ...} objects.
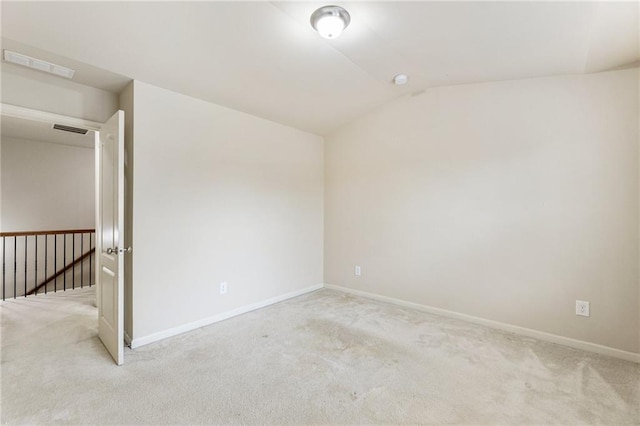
[
  {"x": 70, "y": 129},
  {"x": 38, "y": 64}
]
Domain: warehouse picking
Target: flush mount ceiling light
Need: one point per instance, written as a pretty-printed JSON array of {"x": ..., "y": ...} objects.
[
  {"x": 330, "y": 21},
  {"x": 38, "y": 64},
  {"x": 400, "y": 79}
]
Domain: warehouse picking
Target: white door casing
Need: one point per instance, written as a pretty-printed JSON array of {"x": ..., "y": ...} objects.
[{"x": 110, "y": 235}]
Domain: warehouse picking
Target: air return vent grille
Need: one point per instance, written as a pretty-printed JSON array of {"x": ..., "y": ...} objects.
[
  {"x": 70, "y": 129},
  {"x": 38, "y": 64}
]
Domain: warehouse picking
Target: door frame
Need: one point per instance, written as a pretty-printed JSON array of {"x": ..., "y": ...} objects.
[
  {"x": 16, "y": 111},
  {"x": 47, "y": 117}
]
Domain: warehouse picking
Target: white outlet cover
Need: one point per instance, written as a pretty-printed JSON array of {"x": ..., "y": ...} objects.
[
  {"x": 223, "y": 287},
  {"x": 358, "y": 271},
  {"x": 582, "y": 308}
]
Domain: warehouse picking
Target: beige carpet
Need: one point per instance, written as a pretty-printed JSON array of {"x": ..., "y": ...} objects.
[{"x": 322, "y": 358}]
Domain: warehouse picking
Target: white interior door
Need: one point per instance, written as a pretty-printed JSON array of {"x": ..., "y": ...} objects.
[{"x": 110, "y": 234}]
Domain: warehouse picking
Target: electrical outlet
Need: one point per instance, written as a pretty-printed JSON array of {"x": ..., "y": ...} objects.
[
  {"x": 582, "y": 308},
  {"x": 223, "y": 288},
  {"x": 358, "y": 271}
]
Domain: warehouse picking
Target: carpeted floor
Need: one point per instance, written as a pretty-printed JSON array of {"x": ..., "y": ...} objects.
[{"x": 322, "y": 358}]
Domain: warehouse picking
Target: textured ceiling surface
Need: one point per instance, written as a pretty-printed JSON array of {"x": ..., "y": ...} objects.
[{"x": 264, "y": 58}]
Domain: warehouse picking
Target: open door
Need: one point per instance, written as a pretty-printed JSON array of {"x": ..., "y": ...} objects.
[{"x": 110, "y": 234}]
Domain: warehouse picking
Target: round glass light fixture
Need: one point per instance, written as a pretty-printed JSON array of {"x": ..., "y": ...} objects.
[
  {"x": 400, "y": 79},
  {"x": 330, "y": 21}
]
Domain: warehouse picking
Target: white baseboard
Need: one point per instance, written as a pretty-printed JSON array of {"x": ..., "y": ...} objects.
[
  {"x": 141, "y": 341},
  {"x": 541, "y": 335}
]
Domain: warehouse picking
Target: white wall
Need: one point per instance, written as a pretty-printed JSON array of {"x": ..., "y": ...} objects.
[
  {"x": 43, "y": 92},
  {"x": 506, "y": 201},
  {"x": 219, "y": 195},
  {"x": 46, "y": 186}
]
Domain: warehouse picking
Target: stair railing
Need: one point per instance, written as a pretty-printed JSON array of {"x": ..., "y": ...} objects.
[{"x": 36, "y": 262}]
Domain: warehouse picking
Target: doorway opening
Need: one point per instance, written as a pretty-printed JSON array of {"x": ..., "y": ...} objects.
[
  {"x": 48, "y": 207},
  {"x": 62, "y": 212}
]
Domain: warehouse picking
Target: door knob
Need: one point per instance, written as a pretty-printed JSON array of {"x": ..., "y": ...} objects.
[{"x": 117, "y": 250}]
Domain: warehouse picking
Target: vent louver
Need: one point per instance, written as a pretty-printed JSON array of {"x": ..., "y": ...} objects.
[
  {"x": 38, "y": 64},
  {"x": 70, "y": 129}
]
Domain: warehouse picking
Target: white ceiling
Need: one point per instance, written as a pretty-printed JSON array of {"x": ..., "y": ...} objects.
[
  {"x": 265, "y": 59},
  {"x": 19, "y": 128}
]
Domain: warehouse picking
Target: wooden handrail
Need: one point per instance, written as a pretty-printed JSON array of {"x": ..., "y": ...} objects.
[
  {"x": 29, "y": 233},
  {"x": 62, "y": 271}
]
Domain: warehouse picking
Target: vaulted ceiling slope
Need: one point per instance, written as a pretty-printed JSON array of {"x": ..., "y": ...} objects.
[{"x": 265, "y": 59}]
